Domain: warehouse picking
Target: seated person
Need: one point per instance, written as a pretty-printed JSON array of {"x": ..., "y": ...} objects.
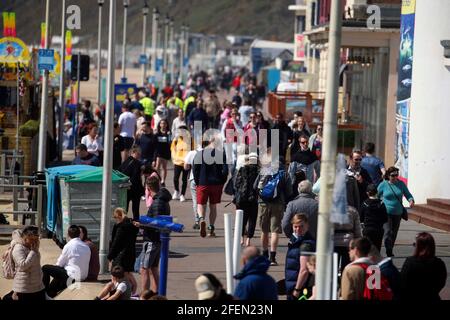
[
  {"x": 84, "y": 157},
  {"x": 118, "y": 289},
  {"x": 73, "y": 264}
]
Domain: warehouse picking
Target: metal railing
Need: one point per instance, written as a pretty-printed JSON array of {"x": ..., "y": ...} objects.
[{"x": 36, "y": 215}]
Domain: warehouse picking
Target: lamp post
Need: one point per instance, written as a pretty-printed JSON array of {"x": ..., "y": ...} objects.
[
  {"x": 166, "y": 39},
  {"x": 61, "y": 81},
  {"x": 154, "y": 40},
  {"x": 145, "y": 11},
  {"x": 108, "y": 143},
  {"x": 126, "y": 3},
  {"x": 182, "y": 43},
  {"x": 43, "y": 118},
  {"x": 99, "y": 53},
  {"x": 171, "y": 51},
  {"x": 186, "y": 48}
]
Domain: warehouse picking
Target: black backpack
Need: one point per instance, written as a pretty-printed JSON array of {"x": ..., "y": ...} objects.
[{"x": 245, "y": 180}]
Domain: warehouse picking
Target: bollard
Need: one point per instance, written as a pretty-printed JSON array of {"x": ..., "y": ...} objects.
[
  {"x": 164, "y": 262},
  {"x": 237, "y": 243},
  {"x": 39, "y": 207},
  {"x": 228, "y": 251}
]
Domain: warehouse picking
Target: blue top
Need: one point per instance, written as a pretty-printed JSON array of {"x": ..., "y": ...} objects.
[
  {"x": 373, "y": 165},
  {"x": 255, "y": 283},
  {"x": 391, "y": 200}
]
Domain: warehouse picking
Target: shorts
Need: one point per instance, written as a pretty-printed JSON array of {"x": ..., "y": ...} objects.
[
  {"x": 151, "y": 252},
  {"x": 213, "y": 193},
  {"x": 127, "y": 143},
  {"x": 270, "y": 217}
]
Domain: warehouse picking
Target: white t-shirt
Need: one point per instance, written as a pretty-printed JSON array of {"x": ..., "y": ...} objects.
[
  {"x": 93, "y": 145},
  {"x": 189, "y": 159},
  {"x": 127, "y": 122},
  {"x": 75, "y": 258}
]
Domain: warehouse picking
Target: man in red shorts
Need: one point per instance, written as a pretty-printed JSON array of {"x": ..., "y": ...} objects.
[{"x": 210, "y": 174}]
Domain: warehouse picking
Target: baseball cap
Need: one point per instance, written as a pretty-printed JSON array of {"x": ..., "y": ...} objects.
[{"x": 206, "y": 285}]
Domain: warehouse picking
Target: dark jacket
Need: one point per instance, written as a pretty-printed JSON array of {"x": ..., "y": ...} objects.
[
  {"x": 243, "y": 184},
  {"x": 210, "y": 174},
  {"x": 285, "y": 134},
  {"x": 132, "y": 168},
  {"x": 118, "y": 147},
  {"x": 160, "y": 207},
  {"x": 198, "y": 114},
  {"x": 373, "y": 214},
  {"x": 122, "y": 250},
  {"x": 362, "y": 186},
  {"x": 90, "y": 160},
  {"x": 162, "y": 145},
  {"x": 391, "y": 273},
  {"x": 297, "y": 247},
  {"x": 147, "y": 143},
  {"x": 422, "y": 279},
  {"x": 255, "y": 283},
  {"x": 304, "y": 203},
  {"x": 305, "y": 157}
]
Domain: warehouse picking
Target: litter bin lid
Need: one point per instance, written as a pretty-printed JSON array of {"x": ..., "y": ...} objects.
[{"x": 95, "y": 175}]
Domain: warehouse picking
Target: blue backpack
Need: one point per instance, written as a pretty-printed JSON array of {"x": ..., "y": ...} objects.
[{"x": 269, "y": 191}]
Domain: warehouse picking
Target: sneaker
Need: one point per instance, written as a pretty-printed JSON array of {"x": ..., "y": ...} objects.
[
  {"x": 182, "y": 198},
  {"x": 273, "y": 263},
  {"x": 196, "y": 226},
  {"x": 203, "y": 229},
  {"x": 212, "y": 234},
  {"x": 176, "y": 195},
  {"x": 163, "y": 184}
]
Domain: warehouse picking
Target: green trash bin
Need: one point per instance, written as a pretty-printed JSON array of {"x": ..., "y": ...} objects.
[{"x": 81, "y": 200}]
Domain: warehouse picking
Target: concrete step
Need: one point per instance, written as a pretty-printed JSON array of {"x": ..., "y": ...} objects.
[
  {"x": 434, "y": 211},
  {"x": 440, "y": 203},
  {"x": 429, "y": 220}
]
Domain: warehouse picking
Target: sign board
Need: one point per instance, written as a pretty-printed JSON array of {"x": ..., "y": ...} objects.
[
  {"x": 143, "y": 59},
  {"x": 46, "y": 59},
  {"x": 299, "y": 49},
  {"x": 120, "y": 90},
  {"x": 159, "y": 64}
]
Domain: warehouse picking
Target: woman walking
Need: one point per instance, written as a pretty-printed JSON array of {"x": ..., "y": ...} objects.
[
  {"x": 162, "y": 153},
  {"x": 179, "y": 150},
  {"x": 392, "y": 191}
]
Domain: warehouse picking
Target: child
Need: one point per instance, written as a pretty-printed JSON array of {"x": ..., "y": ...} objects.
[
  {"x": 151, "y": 248},
  {"x": 374, "y": 215},
  {"x": 118, "y": 288},
  {"x": 148, "y": 172},
  {"x": 311, "y": 282}
]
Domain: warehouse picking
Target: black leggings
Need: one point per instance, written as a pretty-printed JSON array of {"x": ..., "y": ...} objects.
[
  {"x": 250, "y": 216},
  {"x": 59, "y": 281},
  {"x": 136, "y": 203},
  {"x": 178, "y": 170},
  {"x": 375, "y": 235}
]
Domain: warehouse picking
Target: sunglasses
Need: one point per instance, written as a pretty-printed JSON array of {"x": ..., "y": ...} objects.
[
  {"x": 303, "y": 142},
  {"x": 394, "y": 175}
]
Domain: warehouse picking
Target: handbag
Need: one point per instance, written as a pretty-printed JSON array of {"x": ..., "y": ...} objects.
[{"x": 404, "y": 211}]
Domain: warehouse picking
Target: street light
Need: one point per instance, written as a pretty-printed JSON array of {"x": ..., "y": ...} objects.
[
  {"x": 166, "y": 39},
  {"x": 171, "y": 52},
  {"x": 155, "y": 44},
  {"x": 99, "y": 52},
  {"x": 145, "y": 11},
  {"x": 43, "y": 119},
  {"x": 126, "y": 4},
  {"x": 61, "y": 81}
]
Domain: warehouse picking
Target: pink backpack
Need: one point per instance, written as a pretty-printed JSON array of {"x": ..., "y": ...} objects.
[{"x": 8, "y": 267}]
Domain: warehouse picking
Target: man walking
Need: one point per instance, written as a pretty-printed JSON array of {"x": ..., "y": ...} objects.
[{"x": 373, "y": 165}]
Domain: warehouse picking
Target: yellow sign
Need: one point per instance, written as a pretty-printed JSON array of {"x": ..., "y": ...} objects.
[
  {"x": 13, "y": 51},
  {"x": 57, "y": 70},
  {"x": 408, "y": 7}
]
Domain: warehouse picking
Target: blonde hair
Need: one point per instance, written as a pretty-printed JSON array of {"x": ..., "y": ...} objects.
[
  {"x": 312, "y": 260},
  {"x": 299, "y": 217},
  {"x": 119, "y": 212}
]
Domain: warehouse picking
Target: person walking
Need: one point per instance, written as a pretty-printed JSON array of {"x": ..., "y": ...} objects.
[
  {"x": 361, "y": 175},
  {"x": 179, "y": 149},
  {"x": 162, "y": 150},
  {"x": 132, "y": 168},
  {"x": 188, "y": 165},
  {"x": 423, "y": 275},
  {"x": 391, "y": 191},
  {"x": 118, "y": 147},
  {"x": 245, "y": 196},
  {"x": 127, "y": 122},
  {"x": 147, "y": 142},
  {"x": 300, "y": 247},
  {"x": 373, "y": 165},
  {"x": 374, "y": 216}
]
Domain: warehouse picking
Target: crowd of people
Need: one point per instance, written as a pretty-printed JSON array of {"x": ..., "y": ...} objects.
[{"x": 278, "y": 194}]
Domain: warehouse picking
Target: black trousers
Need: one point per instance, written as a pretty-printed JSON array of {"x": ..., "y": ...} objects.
[
  {"x": 178, "y": 170},
  {"x": 375, "y": 235},
  {"x": 391, "y": 230},
  {"x": 343, "y": 257},
  {"x": 250, "y": 217},
  {"x": 136, "y": 202},
  {"x": 59, "y": 282}
]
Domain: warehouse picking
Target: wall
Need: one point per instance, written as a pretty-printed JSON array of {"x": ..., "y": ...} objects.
[{"x": 429, "y": 152}]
